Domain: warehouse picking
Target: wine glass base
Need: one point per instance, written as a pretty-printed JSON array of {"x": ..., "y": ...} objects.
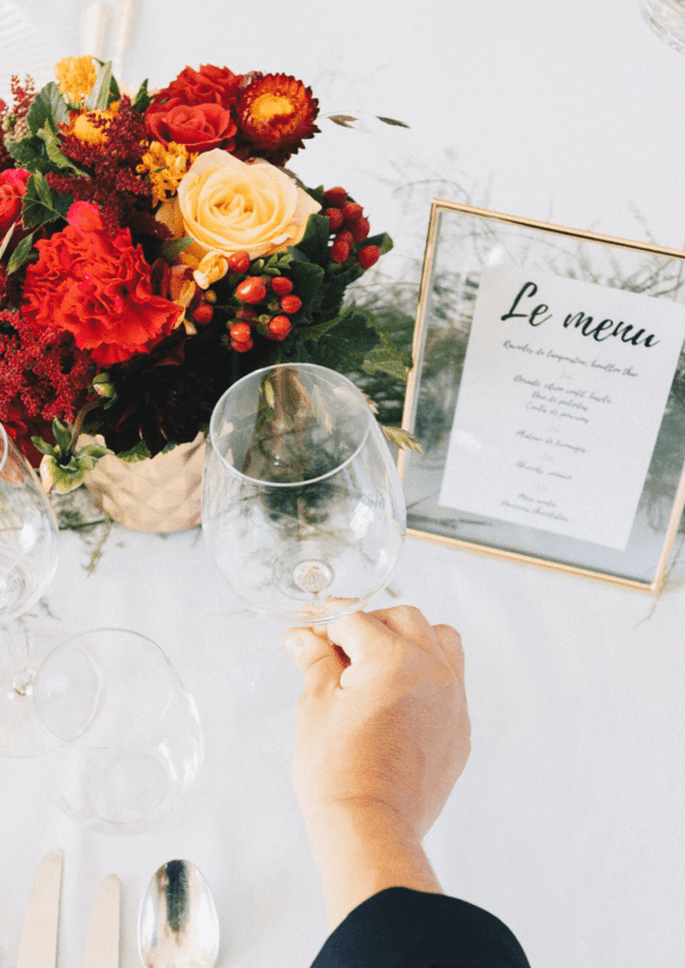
[{"x": 16, "y": 718}]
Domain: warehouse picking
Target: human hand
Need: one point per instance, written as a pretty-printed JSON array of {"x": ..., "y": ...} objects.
[{"x": 382, "y": 720}]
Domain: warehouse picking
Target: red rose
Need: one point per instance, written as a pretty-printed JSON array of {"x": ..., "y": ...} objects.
[
  {"x": 98, "y": 288},
  {"x": 210, "y": 84},
  {"x": 200, "y": 127},
  {"x": 12, "y": 190}
]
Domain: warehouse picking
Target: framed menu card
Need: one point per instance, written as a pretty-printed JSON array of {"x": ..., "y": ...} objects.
[{"x": 548, "y": 395}]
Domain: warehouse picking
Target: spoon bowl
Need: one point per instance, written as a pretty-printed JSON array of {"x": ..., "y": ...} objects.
[{"x": 178, "y": 925}]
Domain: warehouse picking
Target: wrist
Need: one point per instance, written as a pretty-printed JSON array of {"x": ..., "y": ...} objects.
[{"x": 361, "y": 847}]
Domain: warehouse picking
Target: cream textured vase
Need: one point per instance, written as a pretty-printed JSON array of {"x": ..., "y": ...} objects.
[{"x": 162, "y": 493}]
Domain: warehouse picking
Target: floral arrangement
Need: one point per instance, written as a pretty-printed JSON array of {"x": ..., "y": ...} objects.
[{"x": 154, "y": 248}]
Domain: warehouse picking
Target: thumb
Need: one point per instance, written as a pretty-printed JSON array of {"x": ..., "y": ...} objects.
[{"x": 315, "y": 656}]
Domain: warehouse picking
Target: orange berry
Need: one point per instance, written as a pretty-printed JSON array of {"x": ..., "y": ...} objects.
[
  {"x": 241, "y": 333},
  {"x": 369, "y": 256},
  {"x": 279, "y": 327},
  {"x": 335, "y": 196},
  {"x": 290, "y": 304},
  {"x": 281, "y": 285},
  {"x": 203, "y": 314},
  {"x": 251, "y": 290},
  {"x": 238, "y": 262},
  {"x": 351, "y": 211}
]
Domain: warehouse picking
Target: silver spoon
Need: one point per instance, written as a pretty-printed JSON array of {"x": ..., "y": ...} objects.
[{"x": 178, "y": 925}]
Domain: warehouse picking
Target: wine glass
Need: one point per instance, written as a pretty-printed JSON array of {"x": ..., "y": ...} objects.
[
  {"x": 302, "y": 506},
  {"x": 667, "y": 20},
  {"x": 118, "y": 737},
  {"x": 28, "y": 559}
]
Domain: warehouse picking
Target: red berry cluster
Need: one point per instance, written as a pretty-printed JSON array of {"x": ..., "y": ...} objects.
[
  {"x": 266, "y": 303},
  {"x": 349, "y": 227}
]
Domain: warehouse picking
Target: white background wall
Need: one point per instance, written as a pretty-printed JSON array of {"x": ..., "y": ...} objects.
[{"x": 568, "y": 111}]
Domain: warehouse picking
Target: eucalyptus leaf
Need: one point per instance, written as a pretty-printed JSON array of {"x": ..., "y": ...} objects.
[
  {"x": 6, "y": 241},
  {"x": 98, "y": 99}
]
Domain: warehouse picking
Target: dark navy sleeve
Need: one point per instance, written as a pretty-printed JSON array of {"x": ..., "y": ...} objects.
[{"x": 402, "y": 928}]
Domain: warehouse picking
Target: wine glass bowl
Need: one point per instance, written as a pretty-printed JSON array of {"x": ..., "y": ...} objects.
[
  {"x": 28, "y": 559},
  {"x": 302, "y": 506},
  {"x": 118, "y": 737},
  {"x": 28, "y": 534},
  {"x": 667, "y": 20}
]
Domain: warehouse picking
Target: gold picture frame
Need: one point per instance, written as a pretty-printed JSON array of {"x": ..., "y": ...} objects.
[{"x": 462, "y": 242}]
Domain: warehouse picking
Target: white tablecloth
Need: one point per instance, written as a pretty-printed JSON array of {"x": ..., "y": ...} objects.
[{"x": 567, "y": 823}]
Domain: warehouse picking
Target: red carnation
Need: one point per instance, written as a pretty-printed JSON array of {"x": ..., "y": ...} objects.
[{"x": 97, "y": 287}]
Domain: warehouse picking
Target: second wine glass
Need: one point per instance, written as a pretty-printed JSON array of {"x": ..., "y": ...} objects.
[
  {"x": 28, "y": 559},
  {"x": 302, "y": 506}
]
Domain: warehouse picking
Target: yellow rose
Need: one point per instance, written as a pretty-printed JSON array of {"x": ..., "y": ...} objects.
[{"x": 227, "y": 205}]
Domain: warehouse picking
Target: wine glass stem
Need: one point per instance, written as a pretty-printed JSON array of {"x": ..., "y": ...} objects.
[{"x": 17, "y": 660}]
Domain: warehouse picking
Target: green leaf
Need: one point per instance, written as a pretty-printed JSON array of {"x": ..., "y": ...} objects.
[
  {"x": 40, "y": 206},
  {"x": 341, "y": 343},
  {"x": 173, "y": 248},
  {"x": 89, "y": 455},
  {"x": 142, "y": 99},
  {"x": 29, "y": 153},
  {"x": 62, "y": 435},
  {"x": 48, "y": 105},
  {"x": 55, "y": 154},
  {"x": 20, "y": 255},
  {"x": 386, "y": 358},
  {"x": 139, "y": 452},
  {"x": 43, "y": 447},
  {"x": 313, "y": 247},
  {"x": 98, "y": 99},
  {"x": 383, "y": 241}
]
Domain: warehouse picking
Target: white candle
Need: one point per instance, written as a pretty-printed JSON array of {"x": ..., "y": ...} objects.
[
  {"x": 124, "y": 24},
  {"x": 93, "y": 30}
]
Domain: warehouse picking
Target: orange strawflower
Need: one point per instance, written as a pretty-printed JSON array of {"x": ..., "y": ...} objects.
[
  {"x": 83, "y": 128},
  {"x": 76, "y": 76},
  {"x": 276, "y": 112}
]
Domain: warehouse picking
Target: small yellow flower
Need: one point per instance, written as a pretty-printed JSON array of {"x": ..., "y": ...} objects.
[
  {"x": 166, "y": 166},
  {"x": 76, "y": 76}
]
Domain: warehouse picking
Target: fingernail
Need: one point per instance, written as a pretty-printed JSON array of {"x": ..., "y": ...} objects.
[{"x": 295, "y": 646}]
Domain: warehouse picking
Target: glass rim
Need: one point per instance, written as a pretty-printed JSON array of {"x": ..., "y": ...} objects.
[
  {"x": 74, "y": 743},
  {"x": 290, "y": 484}
]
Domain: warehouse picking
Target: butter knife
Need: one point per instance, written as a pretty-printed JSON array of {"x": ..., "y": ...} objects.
[
  {"x": 38, "y": 946},
  {"x": 102, "y": 938}
]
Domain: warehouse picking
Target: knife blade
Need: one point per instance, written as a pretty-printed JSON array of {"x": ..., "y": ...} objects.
[
  {"x": 38, "y": 945},
  {"x": 102, "y": 937}
]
